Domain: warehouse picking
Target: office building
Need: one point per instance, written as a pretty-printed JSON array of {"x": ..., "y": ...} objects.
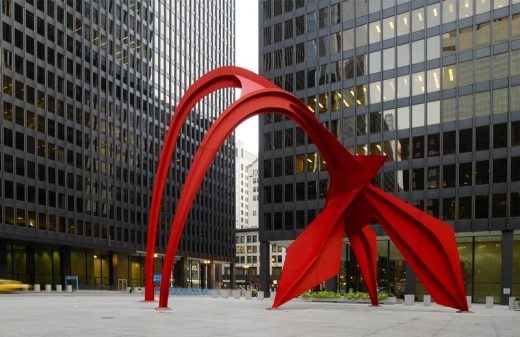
[
  {"x": 88, "y": 90},
  {"x": 434, "y": 86}
]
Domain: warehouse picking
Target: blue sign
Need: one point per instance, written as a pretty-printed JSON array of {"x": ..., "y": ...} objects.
[{"x": 157, "y": 277}]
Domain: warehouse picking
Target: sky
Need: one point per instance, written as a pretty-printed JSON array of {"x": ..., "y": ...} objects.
[{"x": 246, "y": 56}]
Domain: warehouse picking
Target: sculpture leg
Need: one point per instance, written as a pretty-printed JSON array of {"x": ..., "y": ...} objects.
[
  {"x": 427, "y": 244},
  {"x": 365, "y": 248}
]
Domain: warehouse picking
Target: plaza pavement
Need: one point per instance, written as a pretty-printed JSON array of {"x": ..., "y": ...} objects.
[{"x": 87, "y": 313}]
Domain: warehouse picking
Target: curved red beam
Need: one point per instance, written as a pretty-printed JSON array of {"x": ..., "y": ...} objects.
[
  {"x": 225, "y": 77},
  {"x": 351, "y": 204}
]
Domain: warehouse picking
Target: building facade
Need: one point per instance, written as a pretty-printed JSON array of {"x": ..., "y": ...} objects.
[
  {"x": 244, "y": 186},
  {"x": 434, "y": 86},
  {"x": 247, "y": 261},
  {"x": 88, "y": 90}
]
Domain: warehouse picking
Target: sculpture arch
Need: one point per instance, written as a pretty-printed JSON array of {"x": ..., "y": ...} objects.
[{"x": 425, "y": 242}]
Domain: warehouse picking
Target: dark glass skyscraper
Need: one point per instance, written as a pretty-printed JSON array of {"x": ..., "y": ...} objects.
[
  {"x": 88, "y": 90},
  {"x": 434, "y": 86}
]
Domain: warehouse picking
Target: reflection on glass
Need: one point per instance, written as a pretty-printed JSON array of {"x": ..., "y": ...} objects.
[
  {"x": 375, "y": 62},
  {"x": 465, "y": 73},
  {"x": 482, "y": 6},
  {"x": 417, "y": 51},
  {"x": 433, "y": 47},
  {"x": 449, "y": 77},
  {"x": 348, "y": 39},
  {"x": 465, "y": 8},
  {"x": 389, "y": 89},
  {"x": 433, "y": 12},
  {"x": 466, "y": 39},
  {"x": 433, "y": 112},
  {"x": 388, "y": 28},
  {"x": 403, "y": 24},
  {"x": 434, "y": 80},
  {"x": 449, "y": 43},
  {"x": 403, "y": 86},
  {"x": 417, "y": 115},
  {"x": 361, "y": 35},
  {"x": 375, "y": 92},
  {"x": 418, "y": 83},
  {"x": 299, "y": 163},
  {"x": 500, "y": 29},
  {"x": 449, "y": 8},
  {"x": 418, "y": 19},
  {"x": 374, "y": 32},
  {"x": 482, "y": 34},
  {"x": 389, "y": 58},
  {"x": 403, "y": 55},
  {"x": 403, "y": 118},
  {"x": 389, "y": 120}
]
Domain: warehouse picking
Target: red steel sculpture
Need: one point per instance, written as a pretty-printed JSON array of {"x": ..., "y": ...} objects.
[{"x": 426, "y": 243}]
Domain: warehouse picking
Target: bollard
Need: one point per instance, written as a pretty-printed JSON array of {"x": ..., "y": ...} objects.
[
  {"x": 69, "y": 288},
  {"x": 224, "y": 293},
  {"x": 427, "y": 300},
  {"x": 236, "y": 294},
  {"x": 248, "y": 295},
  {"x": 58, "y": 287},
  {"x": 489, "y": 302},
  {"x": 468, "y": 298},
  {"x": 214, "y": 293},
  {"x": 36, "y": 288},
  {"x": 48, "y": 287},
  {"x": 260, "y": 295},
  {"x": 409, "y": 299}
]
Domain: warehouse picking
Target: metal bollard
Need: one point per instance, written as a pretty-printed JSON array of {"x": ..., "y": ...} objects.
[
  {"x": 260, "y": 296},
  {"x": 489, "y": 302},
  {"x": 427, "y": 300},
  {"x": 409, "y": 299}
]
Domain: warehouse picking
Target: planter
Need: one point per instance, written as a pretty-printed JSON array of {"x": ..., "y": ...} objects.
[
  {"x": 389, "y": 300},
  {"x": 323, "y": 299}
]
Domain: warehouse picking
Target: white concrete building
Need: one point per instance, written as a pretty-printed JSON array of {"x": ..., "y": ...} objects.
[{"x": 244, "y": 186}]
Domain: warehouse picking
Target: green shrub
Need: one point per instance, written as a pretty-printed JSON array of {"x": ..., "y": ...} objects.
[
  {"x": 517, "y": 298},
  {"x": 321, "y": 294}
]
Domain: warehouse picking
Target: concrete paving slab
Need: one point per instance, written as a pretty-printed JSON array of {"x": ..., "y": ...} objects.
[{"x": 87, "y": 313}]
